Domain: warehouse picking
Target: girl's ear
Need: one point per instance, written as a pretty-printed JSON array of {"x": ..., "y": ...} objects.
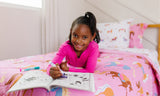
[{"x": 94, "y": 35}]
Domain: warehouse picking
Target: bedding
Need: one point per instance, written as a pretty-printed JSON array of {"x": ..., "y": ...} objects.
[
  {"x": 114, "y": 35},
  {"x": 136, "y": 35},
  {"x": 119, "y": 72}
]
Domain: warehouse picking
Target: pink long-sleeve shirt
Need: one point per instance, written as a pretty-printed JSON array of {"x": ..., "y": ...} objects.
[{"x": 87, "y": 60}]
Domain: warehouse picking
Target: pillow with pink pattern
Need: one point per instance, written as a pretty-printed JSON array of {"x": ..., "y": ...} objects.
[
  {"x": 114, "y": 34},
  {"x": 136, "y": 34}
]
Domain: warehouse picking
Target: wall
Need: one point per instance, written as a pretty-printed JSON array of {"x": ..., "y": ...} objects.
[{"x": 20, "y": 31}]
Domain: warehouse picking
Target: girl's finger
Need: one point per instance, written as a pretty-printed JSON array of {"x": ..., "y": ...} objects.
[
  {"x": 54, "y": 68},
  {"x": 55, "y": 76},
  {"x": 57, "y": 72}
]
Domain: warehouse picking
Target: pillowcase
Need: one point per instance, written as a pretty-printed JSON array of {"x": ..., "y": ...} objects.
[
  {"x": 136, "y": 34},
  {"x": 114, "y": 35}
]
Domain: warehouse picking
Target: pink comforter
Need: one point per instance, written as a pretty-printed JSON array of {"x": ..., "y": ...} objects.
[{"x": 117, "y": 74}]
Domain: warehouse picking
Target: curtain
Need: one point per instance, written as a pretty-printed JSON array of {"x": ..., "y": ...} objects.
[{"x": 49, "y": 26}]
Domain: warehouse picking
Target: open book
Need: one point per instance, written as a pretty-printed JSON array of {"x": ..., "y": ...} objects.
[{"x": 39, "y": 79}]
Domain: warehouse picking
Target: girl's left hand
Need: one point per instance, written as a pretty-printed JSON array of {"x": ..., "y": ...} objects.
[{"x": 64, "y": 66}]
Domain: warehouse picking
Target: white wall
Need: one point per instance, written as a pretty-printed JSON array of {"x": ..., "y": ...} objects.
[{"x": 20, "y": 31}]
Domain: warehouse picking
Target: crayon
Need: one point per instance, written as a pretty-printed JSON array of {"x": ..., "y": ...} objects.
[{"x": 31, "y": 68}]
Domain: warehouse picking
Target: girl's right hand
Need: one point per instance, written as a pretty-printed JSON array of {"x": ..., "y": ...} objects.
[{"x": 55, "y": 72}]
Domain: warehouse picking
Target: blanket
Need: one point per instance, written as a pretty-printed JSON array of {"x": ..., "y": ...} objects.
[{"x": 118, "y": 73}]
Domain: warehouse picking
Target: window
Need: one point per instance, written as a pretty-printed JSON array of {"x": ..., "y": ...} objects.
[{"x": 31, "y": 3}]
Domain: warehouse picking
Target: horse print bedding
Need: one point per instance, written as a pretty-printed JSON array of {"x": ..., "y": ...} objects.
[{"x": 118, "y": 73}]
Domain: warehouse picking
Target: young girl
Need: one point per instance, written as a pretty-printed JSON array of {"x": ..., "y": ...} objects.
[{"x": 81, "y": 50}]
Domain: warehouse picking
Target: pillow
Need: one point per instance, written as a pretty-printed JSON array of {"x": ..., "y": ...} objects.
[
  {"x": 114, "y": 35},
  {"x": 136, "y": 34}
]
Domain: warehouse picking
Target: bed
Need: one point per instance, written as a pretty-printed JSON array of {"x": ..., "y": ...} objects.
[{"x": 124, "y": 68}]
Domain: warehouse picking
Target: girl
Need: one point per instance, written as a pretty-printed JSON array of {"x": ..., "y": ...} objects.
[{"x": 81, "y": 50}]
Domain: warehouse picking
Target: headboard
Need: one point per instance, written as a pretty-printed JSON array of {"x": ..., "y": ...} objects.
[{"x": 158, "y": 48}]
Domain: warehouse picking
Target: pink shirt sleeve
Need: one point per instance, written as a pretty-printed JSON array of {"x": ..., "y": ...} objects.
[
  {"x": 91, "y": 62},
  {"x": 59, "y": 55}
]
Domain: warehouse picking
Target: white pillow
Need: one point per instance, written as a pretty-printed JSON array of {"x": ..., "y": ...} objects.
[{"x": 114, "y": 35}]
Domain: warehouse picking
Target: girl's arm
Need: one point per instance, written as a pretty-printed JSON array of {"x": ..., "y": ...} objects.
[
  {"x": 91, "y": 63},
  {"x": 58, "y": 57}
]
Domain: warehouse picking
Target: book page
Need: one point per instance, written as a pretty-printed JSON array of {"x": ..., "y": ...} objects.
[
  {"x": 82, "y": 81},
  {"x": 32, "y": 79}
]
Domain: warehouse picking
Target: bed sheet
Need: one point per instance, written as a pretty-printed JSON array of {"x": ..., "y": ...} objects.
[{"x": 118, "y": 73}]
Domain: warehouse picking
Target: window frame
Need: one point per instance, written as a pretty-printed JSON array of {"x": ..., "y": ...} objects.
[{"x": 25, "y": 3}]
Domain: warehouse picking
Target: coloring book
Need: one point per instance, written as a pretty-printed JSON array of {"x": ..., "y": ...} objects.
[{"x": 39, "y": 79}]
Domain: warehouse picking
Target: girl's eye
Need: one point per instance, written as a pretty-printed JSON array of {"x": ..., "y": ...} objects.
[
  {"x": 84, "y": 37},
  {"x": 74, "y": 35}
]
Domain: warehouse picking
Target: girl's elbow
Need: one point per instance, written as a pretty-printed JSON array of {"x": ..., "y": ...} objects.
[{"x": 91, "y": 71}]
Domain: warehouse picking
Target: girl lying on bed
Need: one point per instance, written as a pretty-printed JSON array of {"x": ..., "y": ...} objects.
[{"x": 81, "y": 50}]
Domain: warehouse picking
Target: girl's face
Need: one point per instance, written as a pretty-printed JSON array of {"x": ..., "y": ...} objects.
[{"x": 81, "y": 37}]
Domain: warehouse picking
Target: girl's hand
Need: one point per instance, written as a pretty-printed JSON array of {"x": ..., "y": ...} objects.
[
  {"x": 64, "y": 66},
  {"x": 55, "y": 72}
]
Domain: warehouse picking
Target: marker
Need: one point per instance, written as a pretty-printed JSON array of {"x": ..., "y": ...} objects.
[
  {"x": 31, "y": 68},
  {"x": 63, "y": 73}
]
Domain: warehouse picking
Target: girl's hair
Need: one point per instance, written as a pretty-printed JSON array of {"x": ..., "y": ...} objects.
[{"x": 90, "y": 20}]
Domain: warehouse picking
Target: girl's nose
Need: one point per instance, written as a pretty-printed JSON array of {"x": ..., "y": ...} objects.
[{"x": 78, "y": 40}]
